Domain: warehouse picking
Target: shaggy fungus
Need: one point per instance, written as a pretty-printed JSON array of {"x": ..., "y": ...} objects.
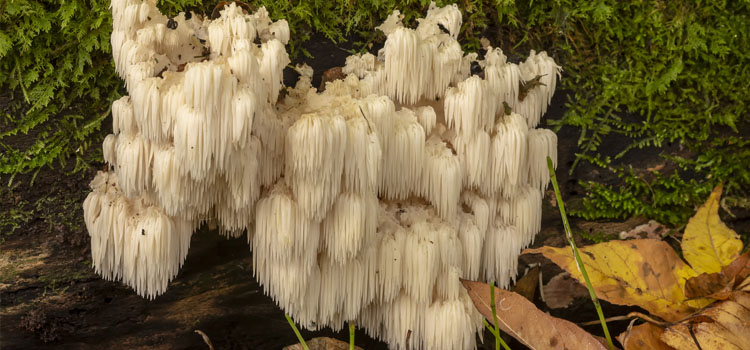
[{"x": 366, "y": 202}]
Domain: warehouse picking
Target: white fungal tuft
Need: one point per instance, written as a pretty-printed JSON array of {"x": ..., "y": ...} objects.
[{"x": 365, "y": 203}]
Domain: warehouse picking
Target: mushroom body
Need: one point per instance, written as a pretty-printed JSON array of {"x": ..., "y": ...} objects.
[{"x": 366, "y": 202}]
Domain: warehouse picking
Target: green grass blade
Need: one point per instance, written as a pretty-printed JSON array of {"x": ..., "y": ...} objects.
[
  {"x": 579, "y": 262},
  {"x": 296, "y": 332},
  {"x": 498, "y": 340},
  {"x": 351, "y": 335}
]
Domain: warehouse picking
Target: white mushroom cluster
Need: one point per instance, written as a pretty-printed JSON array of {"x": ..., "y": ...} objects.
[{"x": 365, "y": 203}]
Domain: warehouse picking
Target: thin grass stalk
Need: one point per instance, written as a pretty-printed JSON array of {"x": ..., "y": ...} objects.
[
  {"x": 496, "y": 331},
  {"x": 351, "y": 335},
  {"x": 492, "y": 330},
  {"x": 579, "y": 262},
  {"x": 296, "y": 332}
]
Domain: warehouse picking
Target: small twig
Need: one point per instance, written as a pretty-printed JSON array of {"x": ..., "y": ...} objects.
[
  {"x": 633, "y": 315},
  {"x": 648, "y": 318},
  {"x": 369, "y": 127},
  {"x": 541, "y": 286},
  {"x": 525, "y": 86},
  {"x": 627, "y": 332},
  {"x": 608, "y": 319},
  {"x": 205, "y": 339},
  {"x": 408, "y": 336},
  {"x": 692, "y": 334},
  {"x": 723, "y": 205}
]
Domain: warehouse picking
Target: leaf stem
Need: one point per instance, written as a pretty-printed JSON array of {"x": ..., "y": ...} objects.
[
  {"x": 296, "y": 332},
  {"x": 20, "y": 83},
  {"x": 579, "y": 262}
]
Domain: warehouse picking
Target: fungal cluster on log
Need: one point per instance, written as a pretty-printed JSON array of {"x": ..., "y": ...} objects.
[{"x": 366, "y": 202}]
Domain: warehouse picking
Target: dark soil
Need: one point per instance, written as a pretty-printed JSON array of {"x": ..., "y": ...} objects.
[{"x": 50, "y": 298}]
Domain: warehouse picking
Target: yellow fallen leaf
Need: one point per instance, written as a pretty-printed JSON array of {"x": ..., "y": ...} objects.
[
  {"x": 642, "y": 272},
  {"x": 529, "y": 325},
  {"x": 643, "y": 337},
  {"x": 723, "y": 326},
  {"x": 708, "y": 244}
]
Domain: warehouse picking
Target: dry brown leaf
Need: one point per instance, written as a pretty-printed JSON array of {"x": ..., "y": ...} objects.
[
  {"x": 656, "y": 167},
  {"x": 562, "y": 289},
  {"x": 333, "y": 74},
  {"x": 525, "y": 86},
  {"x": 643, "y": 337},
  {"x": 642, "y": 272},
  {"x": 719, "y": 285},
  {"x": 322, "y": 343},
  {"x": 651, "y": 229},
  {"x": 739, "y": 269},
  {"x": 526, "y": 286},
  {"x": 484, "y": 42},
  {"x": 206, "y": 339},
  {"x": 723, "y": 326},
  {"x": 744, "y": 285},
  {"x": 529, "y": 325},
  {"x": 708, "y": 244},
  {"x": 710, "y": 285}
]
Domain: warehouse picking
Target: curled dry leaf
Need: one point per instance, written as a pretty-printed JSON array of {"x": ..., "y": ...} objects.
[
  {"x": 719, "y": 285},
  {"x": 643, "y": 337},
  {"x": 484, "y": 42},
  {"x": 709, "y": 285},
  {"x": 739, "y": 269},
  {"x": 656, "y": 167},
  {"x": 723, "y": 326},
  {"x": 642, "y": 272},
  {"x": 333, "y": 74},
  {"x": 527, "y": 284},
  {"x": 206, "y": 339},
  {"x": 744, "y": 285},
  {"x": 529, "y": 325},
  {"x": 562, "y": 289},
  {"x": 708, "y": 244}
]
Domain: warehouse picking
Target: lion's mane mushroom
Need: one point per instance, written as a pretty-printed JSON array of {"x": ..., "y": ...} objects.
[
  {"x": 366, "y": 202},
  {"x": 183, "y": 149}
]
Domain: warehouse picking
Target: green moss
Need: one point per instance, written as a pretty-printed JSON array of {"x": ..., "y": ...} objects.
[
  {"x": 14, "y": 218},
  {"x": 659, "y": 74},
  {"x": 8, "y": 274},
  {"x": 62, "y": 277},
  {"x": 656, "y": 72},
  {"x": 59, "y": 211},
  {"x": 18, "y": 213}
]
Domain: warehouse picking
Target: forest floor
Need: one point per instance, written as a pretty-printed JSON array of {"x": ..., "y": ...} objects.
[{"x": 50, "y": 297}]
